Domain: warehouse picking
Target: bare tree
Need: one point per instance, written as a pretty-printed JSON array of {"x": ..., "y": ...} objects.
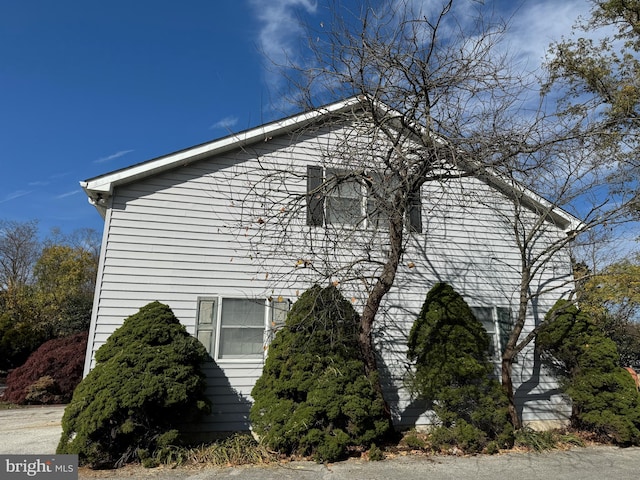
[
  {"x": 434, "y": 86},
  {"x": 545, "y": 234},
  {"x": 442, "y": 102},
  {"x": 19, "y": 250}
]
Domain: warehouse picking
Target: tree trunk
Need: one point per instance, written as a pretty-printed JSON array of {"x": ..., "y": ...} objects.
[
  {"x": 510, "y": 350},
  {"x": 380, "y": 289},
  {"x": 507, "y": 385}
]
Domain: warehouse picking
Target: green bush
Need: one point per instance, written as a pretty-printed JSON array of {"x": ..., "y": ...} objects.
[
  {"x": 450, "y": 348},
  {"x": 414, "y": 441},
  {"x": 146, "y": 384},
  {"x": 462, "y": 435},
  {"x": 17, "y": 341},
  {"x": 604, "y": 396},
  {"x": 375, "y": 453},
  {"x": 314, "y": 397}
]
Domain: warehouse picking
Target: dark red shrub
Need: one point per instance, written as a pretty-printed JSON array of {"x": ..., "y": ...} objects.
[{"x": 50, "y": 374}]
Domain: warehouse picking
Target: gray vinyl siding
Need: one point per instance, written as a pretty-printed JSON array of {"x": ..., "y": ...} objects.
[{"x": 195, "y": 232}]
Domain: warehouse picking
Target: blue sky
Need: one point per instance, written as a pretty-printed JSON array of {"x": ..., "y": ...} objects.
[{"x": 89, "y": 87}]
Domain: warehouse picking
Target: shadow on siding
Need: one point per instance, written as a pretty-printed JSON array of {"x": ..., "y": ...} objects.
[
  {"x": 540, "y": 405},
  {"x": 229, "y": 408}
]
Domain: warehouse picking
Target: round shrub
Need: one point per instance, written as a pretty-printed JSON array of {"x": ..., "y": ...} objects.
[
  {"x": 146, "y": 384},
  {"x": 603, "y": 395},
  {"x": 314, "y": 397},
  {"x": 453, "y": 373},
  {"x": 50, "y": 374}
]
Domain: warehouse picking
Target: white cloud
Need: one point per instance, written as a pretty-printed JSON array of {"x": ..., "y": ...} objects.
[
  {"x": 226, "y": 123},
  {"x": 532, "y": 26},
  {"x": 280, "y": 30},
  {"x": 14, "y": 195},
  {"x": 67, "y": 194},
  {"x": 44, "y": 183},
  {"x": 535, "y": 25},
  {"x": 113, "y": 156}
]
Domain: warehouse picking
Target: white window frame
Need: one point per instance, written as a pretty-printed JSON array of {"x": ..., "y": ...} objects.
[
  {"x": 210, "y": 332},
  {"x": 497, "y": 338}
]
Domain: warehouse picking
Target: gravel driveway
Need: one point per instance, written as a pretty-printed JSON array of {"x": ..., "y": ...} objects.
[{"x": 31, "y": 430}]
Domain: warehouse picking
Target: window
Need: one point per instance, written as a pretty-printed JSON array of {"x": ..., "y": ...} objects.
[
  {"x": 231, "y": 328},
  {"x": 234, "y": 328},
  {"x": 497, "y": 323},
  {"x": 241, "y": 328},
  {"x": 238, "y": 329},
  {"x": 377, "y": 214},
  {"x": 343, "y": 200},
  {"x": 334, "y": 198}
]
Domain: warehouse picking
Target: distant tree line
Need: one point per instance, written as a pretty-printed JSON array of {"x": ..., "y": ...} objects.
[
  {"x": 46, "y": 287},
  {"x": 611, "y": 297}
]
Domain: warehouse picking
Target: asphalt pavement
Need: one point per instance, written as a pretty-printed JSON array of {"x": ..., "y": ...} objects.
[
  {"x": 31, "y": 430},
  {"x": 37, "y": 430},
  {"x": 593, "y": 463}
]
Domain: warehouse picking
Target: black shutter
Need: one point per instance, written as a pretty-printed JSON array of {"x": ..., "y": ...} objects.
[
  {"x": 315, "y": 199},
  {"x": 415, "y": 212},
  {"x": 375, "y": 215},
  {"x": 505, "y": 325}
]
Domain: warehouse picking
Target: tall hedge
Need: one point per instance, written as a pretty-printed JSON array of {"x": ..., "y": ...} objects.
[
  {"x": 313, "y": 397},
  {"x": 604, "y": 396},
  {"x": 146, "y": 384},
  {"x": 453, "y": 372}
]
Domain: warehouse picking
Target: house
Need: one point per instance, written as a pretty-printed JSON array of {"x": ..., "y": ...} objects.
[{"x": 229, "y": 233}]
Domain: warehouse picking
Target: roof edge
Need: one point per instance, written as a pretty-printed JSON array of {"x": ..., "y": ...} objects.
[{"x": 100, "y": 187}]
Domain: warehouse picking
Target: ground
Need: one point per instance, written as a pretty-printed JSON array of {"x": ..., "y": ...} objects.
[{"x": 36, "y": 430}]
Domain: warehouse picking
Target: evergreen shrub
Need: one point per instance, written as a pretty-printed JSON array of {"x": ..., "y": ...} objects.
[
  {"x": 462, "y": 435},
  {"x": 313, "y": 397},
  {"x": 454, "y": 374},
  {"x": 604, "y": 396},
  {"x": 50, "y": 374},
  {"x": 147, "y": 383}
]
